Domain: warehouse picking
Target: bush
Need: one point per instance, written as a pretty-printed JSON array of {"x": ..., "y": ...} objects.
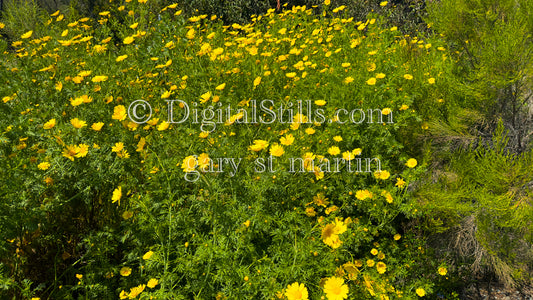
[
  {"x": 482, "y": 197},
  {"x": 491, "y": 40},
  {"x": 98, "y": 204}
]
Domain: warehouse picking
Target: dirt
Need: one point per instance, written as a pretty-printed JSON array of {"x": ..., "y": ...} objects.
[{"x": 495, "y": 292}]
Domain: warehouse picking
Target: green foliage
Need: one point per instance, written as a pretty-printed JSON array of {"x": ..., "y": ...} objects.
[
  {"x": 491, "y": 41},
  {"x": 90, "y": 202},
  {"x": 105, "y": 207},
  {"x": 484, "y": 196},
  {"x": 20, "y": 17}
]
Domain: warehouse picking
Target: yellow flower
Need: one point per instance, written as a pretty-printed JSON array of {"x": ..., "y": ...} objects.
[
  {"x": 117, "y": 147},
  {"x": 276, "y": 150},
  {"x": 400, "y": 182},
  {"x": 189, "y": 163},
  {"x": 123, "y": 295},
  {"x": 97, "y": 126},
  {"x": 310, "y": 211},
  {"x": 296, "y": 291},
  {"x": 340, "y": 226},
  {"x": 99, "y": 78},
  {"x": 442, "y": 271},
  {"x": 2, "y": 25},
  {"x": 387, "y": 196},
  {"x": 121, "y": 58},
  {"x": 380, "y": 75},
  {"x": 86, "y": 99},
  {"x": 357, "y": 151},
  {"x": 408, "y": 76},
  {"x": 128, "y": 40},
  {"x": 334, "y": 150},
  {"x": 328, "y": 234},
  {"x": 27, "y": 35},
  {"x": 320, "y": 102},
  {"x": 148, "y": 254},
  {"x": 76, "y": 101},
  {"x": 404, "y": 107},
  {"x": 135, "y": 291},
  {"x": 382, "y": 267},
  {"x": 287, "y": 139},
  {"x": 291, "y": 74},
  {"x": 166, "y": 94},
  {"x": 190, "y": 34},
  {"x": 371, "y": 81},
  {"x": 70, "y": 152},
  {"x": 220, "y": 87},
  {"x": 84, "y": 73},
  {"x": 125, "y": 271},
  {"x": 374, "y": 251},
  {"x": 335, "y": 288},
  {"x": 347, "y": 155},
  {"x": 44, "y": 166},
  {"x": 397, "y": 236},
  {"x": 117, "y": 194},
  {"x": 257, "y": 81},
  {"x": 205, "y": 97},
  {"x": 59, "y": 86},
  {"x": 363, "y": 194},
  {"x": 386, "y": 111},
  {"x": 77, "y": 123},
  {"x": 431, "y": 80},
  {"x": 327, "y": 2},
  {"x": 119, "y": 113},
  {"x": 383, "y": 175},
  {"x": 411, "y": 163},
  {"x": 77, "y": 79},
  {"x": 420, "y": 292},
  {"x": 50, "y": 124},
  {"x": 163, "y": 126},
  {"x": 300, "y": 118},
  {"x": 82, "y": 150},
  {"x": 384, "y": 3},
  {"x": 79, "y": 276},
  {"x": 370, "y": 263},
  {"x": 258, "y": 145},
  {"x": 319, "y": 199},
  {"x": 152, "y": 283},
  {"x": 140, "y": 144},
  {"x": 348, "y": 79}
]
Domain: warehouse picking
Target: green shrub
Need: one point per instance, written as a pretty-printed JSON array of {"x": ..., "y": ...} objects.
[
  {"x": 491, "y": 42},
  {"x": 483, "y": 199},
  {"x": 106, "y": 207}
]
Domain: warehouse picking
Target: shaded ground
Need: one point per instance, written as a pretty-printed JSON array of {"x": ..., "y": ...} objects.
[{"x": 496, "y": 292}]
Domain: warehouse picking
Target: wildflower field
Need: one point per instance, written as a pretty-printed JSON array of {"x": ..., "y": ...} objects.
[{"x": 147, "y": 153}]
